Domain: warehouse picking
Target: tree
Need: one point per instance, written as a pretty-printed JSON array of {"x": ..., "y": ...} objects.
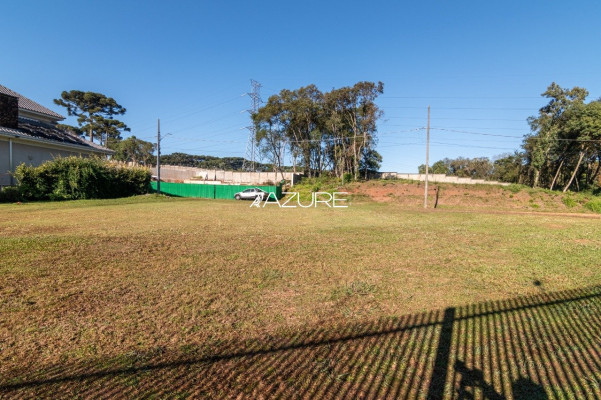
[
  {"x": 334, "y": 130},
  {"x": 476, "y": 168},
  {"x": 94, "y": 112},
  {"x": 543, "y": 150},
  {"x": 508, "y": 167},
  {"x": 581, "y": 128},
  {"x": 271, "y": 133},
  {"x": 134, "y": 150},
  {"x": 299, "y": 116},
  {"x": 112, "y": 131},
  {"x": 439, "y": 167},
  {"x": 359, "y": 114},
  {"x": 371, "y": 161}
]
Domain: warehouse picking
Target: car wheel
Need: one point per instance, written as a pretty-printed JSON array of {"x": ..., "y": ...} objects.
[{"x": 237, "y": 197}]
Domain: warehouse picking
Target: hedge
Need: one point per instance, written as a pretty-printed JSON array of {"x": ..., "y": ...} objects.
[{"x": 72, "y": 178}]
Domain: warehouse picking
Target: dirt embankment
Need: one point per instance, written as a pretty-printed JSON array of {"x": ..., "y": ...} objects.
[{"x": 480, "y": 197}]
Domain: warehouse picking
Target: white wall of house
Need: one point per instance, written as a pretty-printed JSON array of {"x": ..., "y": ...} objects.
[
  {"x": 4, "y": 163},
  {"x": 31, "y": 153}
]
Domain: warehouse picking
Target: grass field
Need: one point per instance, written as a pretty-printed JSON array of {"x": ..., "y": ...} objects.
[{"x": 155, "y": 297}]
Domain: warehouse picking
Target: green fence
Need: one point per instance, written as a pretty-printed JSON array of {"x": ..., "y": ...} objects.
[{"x": 209, "y": 191}]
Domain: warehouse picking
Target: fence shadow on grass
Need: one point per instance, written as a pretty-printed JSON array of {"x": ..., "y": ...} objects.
[{"x": 544, "y": 346}]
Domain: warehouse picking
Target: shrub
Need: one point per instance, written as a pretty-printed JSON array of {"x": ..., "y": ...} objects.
[
  {"x": 594, "y": 205},
  {"x": 74, "y": 178},
  {"x": 569, "y": 202},
  {"x": 10, "y": 194},
  {"x": 514, "y": 188}
]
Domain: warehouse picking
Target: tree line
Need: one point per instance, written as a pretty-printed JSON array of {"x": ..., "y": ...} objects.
[
  {"x": 562, "y": 150},
  {"x": 210, "y": 162},
  {"x": 504, "y": 168},
  {"x": 332, "y": 131}
]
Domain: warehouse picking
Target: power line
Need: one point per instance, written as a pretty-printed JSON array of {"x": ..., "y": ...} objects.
[
  {"x": 474, "y": 127},
  {"x": 464, "y": 108},
  {"x": 463, "y": 97},
  {"x": 209, "y": 122},
  {"x": 477, "y": 133},
  {"x": 462, "y": 119},
  {"x": 518, "y": 137},
  {"x": 190, "y": 113},
  {"x": 467, "y": 145},
  {"x": 470, "y": 127}
]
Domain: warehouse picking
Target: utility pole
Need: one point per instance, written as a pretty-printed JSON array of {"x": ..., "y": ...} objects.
[
  {"x": 158, "y": 156},
  {"x": 427, "y": 159},
  {"x": 249, "y": 159}
]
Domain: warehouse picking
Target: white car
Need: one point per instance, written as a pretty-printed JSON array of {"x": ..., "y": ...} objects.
[{"x": 251, "y": 194}]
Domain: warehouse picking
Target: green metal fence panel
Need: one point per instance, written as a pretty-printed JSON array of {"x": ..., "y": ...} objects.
[
  {"x": 210, "y": 191},
  {"x": 186, "y": 190}
]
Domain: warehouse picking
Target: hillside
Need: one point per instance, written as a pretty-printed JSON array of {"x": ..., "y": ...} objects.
[
  {"x": 410, "y": 194},
  {"x": 480, "y": 197}
]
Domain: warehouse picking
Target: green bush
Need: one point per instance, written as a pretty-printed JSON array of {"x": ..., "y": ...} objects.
[
  {"x": 594, "y": 205},
  {"x": 569, "y": 202},
  {"x": 74, "y": 178},
  {"x": 514, "y": 187},
  {"x": 10, "y": 194}
]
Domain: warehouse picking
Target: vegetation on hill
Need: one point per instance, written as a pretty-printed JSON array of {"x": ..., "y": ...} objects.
[{"x": 210, "y": 162}]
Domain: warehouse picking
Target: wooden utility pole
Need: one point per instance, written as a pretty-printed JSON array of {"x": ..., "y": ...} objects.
[
  {"x": 427, "y": 159},
  {"x": 158, "y": 156}
]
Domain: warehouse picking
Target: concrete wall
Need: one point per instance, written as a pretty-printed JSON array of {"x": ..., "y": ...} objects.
[
  {"x": 175, "y": 173},
  {"x": 438, "y": 178}
]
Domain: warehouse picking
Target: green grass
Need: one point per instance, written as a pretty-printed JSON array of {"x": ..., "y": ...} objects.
[{"x": 98, "y": 282}]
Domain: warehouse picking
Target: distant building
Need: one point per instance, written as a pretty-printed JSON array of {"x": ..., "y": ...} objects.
[{"x": 28, "y": 134}]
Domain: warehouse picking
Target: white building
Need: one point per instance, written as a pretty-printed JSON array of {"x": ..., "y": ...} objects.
[{"x": 28, "y": 134}]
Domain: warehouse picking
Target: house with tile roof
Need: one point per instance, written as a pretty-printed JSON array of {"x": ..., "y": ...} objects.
[{"x": 29, "y": 134}]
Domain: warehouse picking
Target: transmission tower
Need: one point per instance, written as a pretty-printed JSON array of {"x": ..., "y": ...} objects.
[{"x": 251, "y": 146}]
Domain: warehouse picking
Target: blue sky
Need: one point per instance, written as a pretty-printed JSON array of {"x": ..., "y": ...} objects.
[{"x": 480, "y": 65}]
